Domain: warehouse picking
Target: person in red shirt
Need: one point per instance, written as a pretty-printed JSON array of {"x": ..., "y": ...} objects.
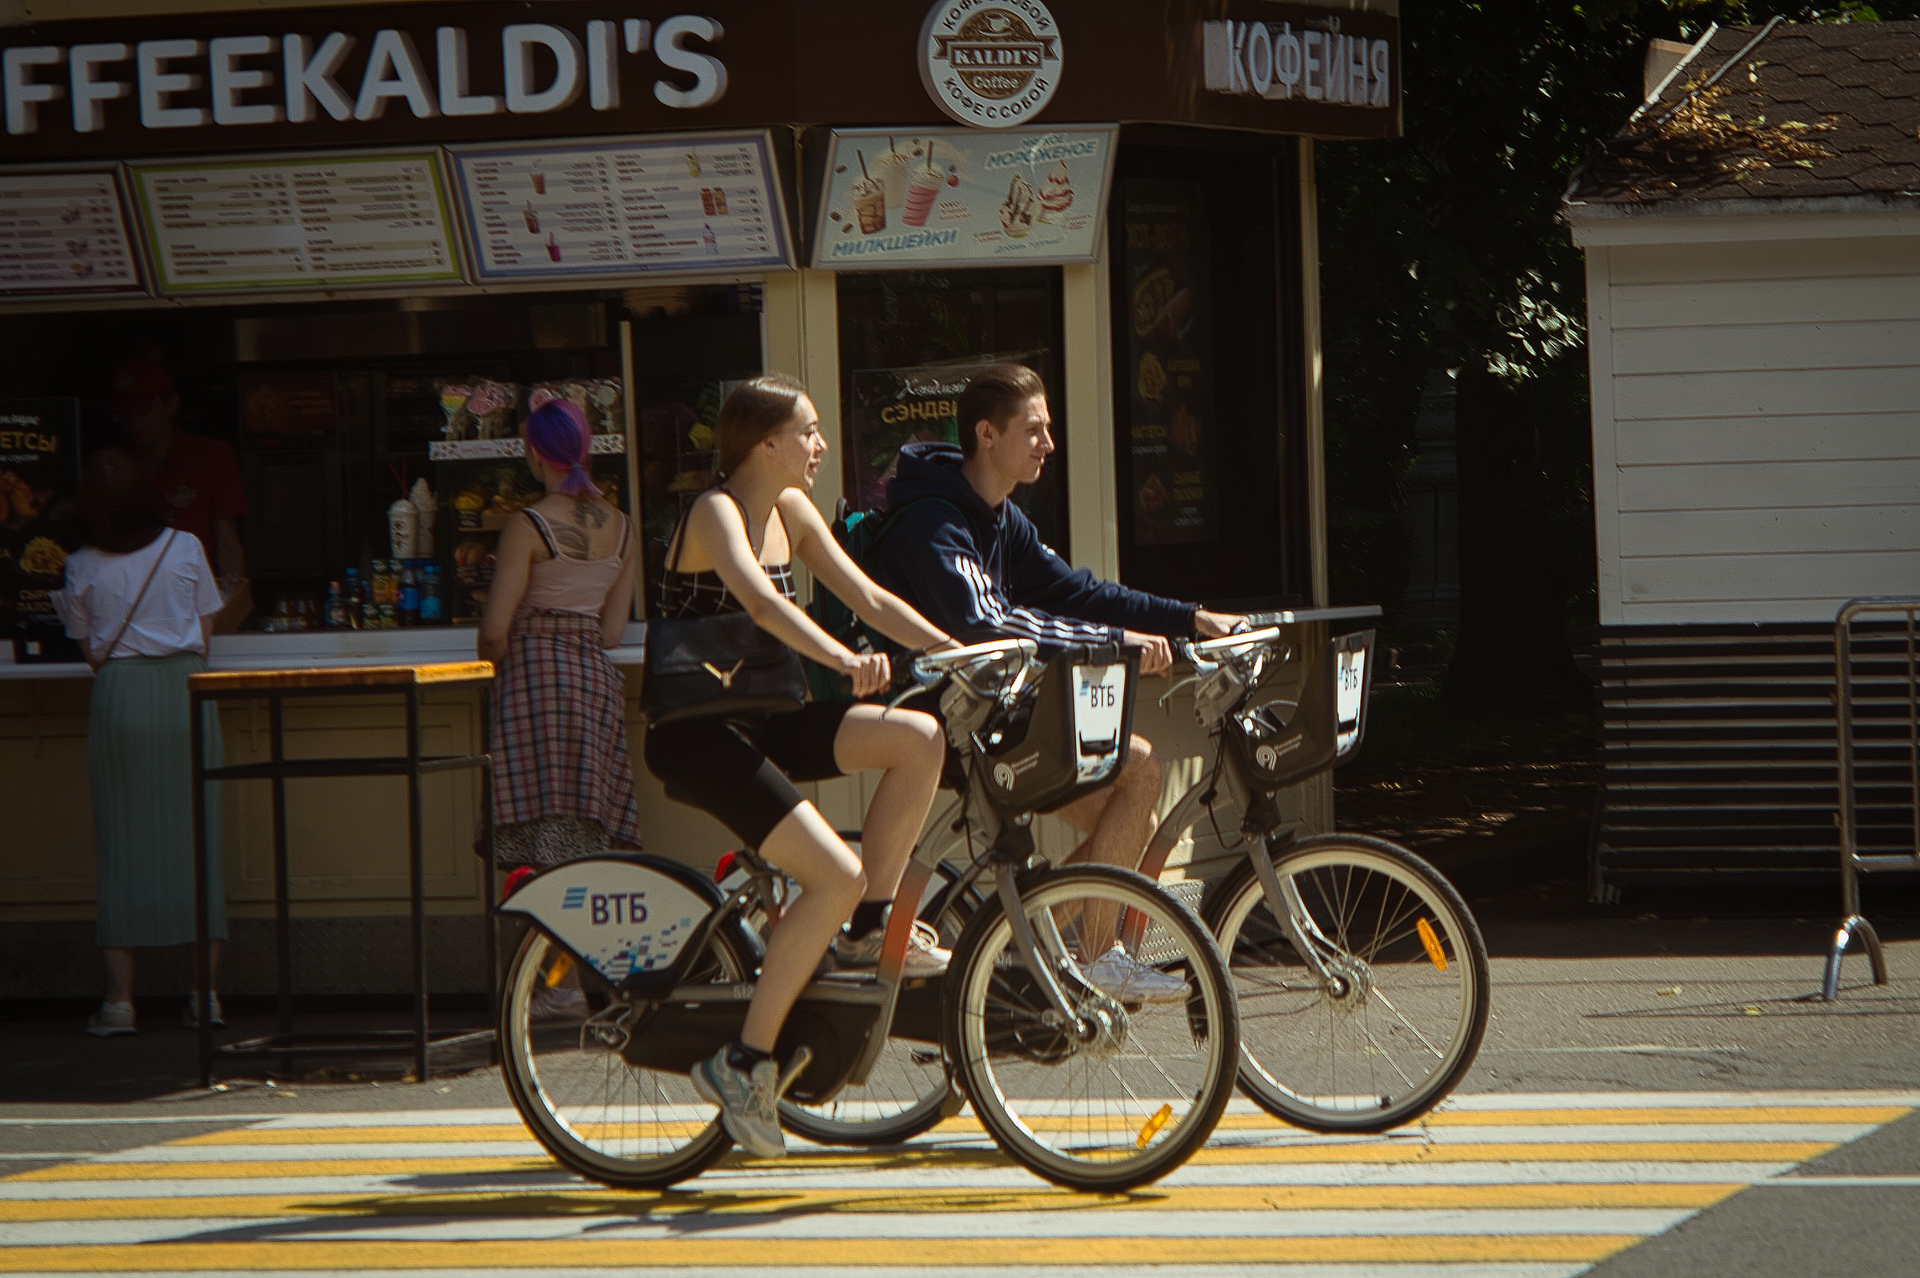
[{"x": 197, "y": 479}]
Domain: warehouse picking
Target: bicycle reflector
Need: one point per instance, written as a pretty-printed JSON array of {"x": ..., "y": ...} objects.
[{"x": 1437, "y": 955}]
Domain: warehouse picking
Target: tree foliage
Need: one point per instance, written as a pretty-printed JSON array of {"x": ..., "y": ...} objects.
[{"x": 1445, "y": 248}]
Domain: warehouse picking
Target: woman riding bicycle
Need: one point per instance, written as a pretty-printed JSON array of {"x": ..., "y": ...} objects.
[{"x": 734, "y": 553}]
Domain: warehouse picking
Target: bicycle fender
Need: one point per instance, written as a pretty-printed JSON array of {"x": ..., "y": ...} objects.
[{"x": 619, "y": 915}]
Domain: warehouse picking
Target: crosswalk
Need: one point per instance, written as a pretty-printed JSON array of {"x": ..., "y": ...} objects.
[{"x": 1501, "y": 1186}]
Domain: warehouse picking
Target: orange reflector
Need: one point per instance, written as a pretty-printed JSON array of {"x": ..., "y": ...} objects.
[
  {"x": 1432, "y": 942},
  {"x": 564, "y": 964},
  {"x": 1152, "y": 1126}
]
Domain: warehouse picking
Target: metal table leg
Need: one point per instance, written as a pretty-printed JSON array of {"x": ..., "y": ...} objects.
[
  {"x": 417, "y": 873},
  {"x": 202, "y": 958}
]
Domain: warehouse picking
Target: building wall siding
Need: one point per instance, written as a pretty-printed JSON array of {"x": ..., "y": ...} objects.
[{"x": 1756, "y": 426}]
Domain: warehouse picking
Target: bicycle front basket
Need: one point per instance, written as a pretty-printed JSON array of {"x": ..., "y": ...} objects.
[{"x": 1068, "y": 734}]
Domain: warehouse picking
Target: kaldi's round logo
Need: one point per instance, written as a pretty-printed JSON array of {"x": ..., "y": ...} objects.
[{"x": 990, "y": 63}]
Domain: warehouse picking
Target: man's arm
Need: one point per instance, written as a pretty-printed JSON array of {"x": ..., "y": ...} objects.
[
  {"x": 1039, "y": 578},
  {"x": 937, "y": 569}
]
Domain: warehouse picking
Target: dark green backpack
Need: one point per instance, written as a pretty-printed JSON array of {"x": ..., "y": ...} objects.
[{"x": 858, "y": 532}]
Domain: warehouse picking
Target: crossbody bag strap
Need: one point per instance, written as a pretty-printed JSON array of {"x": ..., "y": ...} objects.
[{"x": 134, "y": 607}]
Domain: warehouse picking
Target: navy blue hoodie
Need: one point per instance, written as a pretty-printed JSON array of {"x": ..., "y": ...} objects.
[{"x": 970, "y": 569}]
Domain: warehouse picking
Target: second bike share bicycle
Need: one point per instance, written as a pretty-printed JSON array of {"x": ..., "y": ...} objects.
[
  {"x": 1089, "y": 1087},
  {"x": 1360, "y": 973}
]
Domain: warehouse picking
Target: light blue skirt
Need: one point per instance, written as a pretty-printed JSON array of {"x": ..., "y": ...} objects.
[{"x": 139, "y": 756}]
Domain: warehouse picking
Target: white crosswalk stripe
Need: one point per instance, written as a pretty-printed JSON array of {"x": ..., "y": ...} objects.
[{"x": 1489, "y": 1186}]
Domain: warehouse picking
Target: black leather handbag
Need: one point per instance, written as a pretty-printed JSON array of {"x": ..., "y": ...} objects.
[{"x": 720, "y": 667}]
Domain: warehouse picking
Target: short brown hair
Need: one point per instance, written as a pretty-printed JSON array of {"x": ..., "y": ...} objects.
[
  {"x": 994, "y": 395},
  {"x": 756, "y": 408},
  {"x": 117, "y": 500}
]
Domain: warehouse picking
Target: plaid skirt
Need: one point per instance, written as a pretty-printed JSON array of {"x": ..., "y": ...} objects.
[{"x": 559, "y": 728}]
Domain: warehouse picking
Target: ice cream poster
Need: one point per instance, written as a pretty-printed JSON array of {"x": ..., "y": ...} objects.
[{"x": 963, "y": 198}]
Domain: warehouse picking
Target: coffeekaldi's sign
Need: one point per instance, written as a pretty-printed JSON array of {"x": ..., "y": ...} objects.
[{"x": 395, "y": 74}]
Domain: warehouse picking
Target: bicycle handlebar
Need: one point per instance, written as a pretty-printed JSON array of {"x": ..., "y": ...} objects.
[{"x": 930, "y": 666}]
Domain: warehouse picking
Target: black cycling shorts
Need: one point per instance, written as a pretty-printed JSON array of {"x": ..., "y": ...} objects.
[{"x": 741, "y": 772}]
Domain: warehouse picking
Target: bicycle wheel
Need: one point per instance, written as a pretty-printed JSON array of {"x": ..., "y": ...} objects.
[
  {"x": 908, "y": 1091},
  {"x": 1398, "y": 1020},
  {"x": 599, "y": 1116},
  {"x": 1138, "y": 1087}
]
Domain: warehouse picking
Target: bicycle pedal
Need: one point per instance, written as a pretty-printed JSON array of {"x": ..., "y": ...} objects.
[{"x": 802, "y": 1057}]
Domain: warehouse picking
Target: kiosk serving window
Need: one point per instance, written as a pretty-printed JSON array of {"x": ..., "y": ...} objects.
[{"x": 909, "y": 340}]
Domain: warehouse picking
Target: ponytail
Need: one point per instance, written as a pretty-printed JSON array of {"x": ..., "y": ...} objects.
[{"x": 557, "y": 433}]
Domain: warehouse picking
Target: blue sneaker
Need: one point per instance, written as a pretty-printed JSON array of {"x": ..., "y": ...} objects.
[{"x": 748, "y": 1102}]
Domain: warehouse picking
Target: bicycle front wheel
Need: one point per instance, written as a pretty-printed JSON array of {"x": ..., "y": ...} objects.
[
  {"x": 1393, "y": 1022},
  {"x": 599, "y": 1116},
  {"x": 1126, "y": 1090}
]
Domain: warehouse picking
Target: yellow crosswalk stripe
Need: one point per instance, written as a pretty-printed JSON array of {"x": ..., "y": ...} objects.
[
  {"x": 774, "y": 1199},
  {"x": 641, "y": 1253},
  {"x": 968, "y": 1125},
  {"x": 1403, "y": 1150}
]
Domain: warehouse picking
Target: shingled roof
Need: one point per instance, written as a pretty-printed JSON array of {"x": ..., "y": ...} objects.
[{"x": 1813, "y": 111}]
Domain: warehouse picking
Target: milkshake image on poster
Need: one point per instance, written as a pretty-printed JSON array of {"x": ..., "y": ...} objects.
[
  {"x": 693, "y": 165},
  {"x": 920, "y": 192},
  {"x": 539, "y": 178},
  {"x": 720, "y": 201},
  {"x": 533, "y": 219},
  {"x": 891, "y": 169},
  {"x": 711, "y": 240},
  {"x": 553, "y": 247},
  {"x": 706, "y": 200},
  {"x": 869, "y": 200}
]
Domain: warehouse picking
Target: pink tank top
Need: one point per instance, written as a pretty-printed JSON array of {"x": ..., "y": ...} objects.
[{"x": 566, "y": 584}]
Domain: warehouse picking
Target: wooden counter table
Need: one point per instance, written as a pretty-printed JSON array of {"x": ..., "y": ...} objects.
[{"x": 274, "y": 687}]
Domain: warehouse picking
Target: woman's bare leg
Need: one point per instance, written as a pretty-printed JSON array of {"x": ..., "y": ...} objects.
[
  {"x": 908, "y": 747},
  {"x": 830, "y": 880}
]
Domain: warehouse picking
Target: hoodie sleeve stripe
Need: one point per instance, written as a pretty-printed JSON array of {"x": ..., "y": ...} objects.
[{"x": 1023, "y": 622}]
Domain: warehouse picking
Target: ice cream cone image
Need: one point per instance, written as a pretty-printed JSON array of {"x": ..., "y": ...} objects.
[
  {"x": 1018, "y": 210},
  {"x": 1056, "y": 195}
]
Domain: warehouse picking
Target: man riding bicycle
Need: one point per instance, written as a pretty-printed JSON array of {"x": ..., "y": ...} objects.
[{"x": 971, "y": 562}]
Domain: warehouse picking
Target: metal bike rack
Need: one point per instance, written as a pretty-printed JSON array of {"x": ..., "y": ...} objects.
[{"x": 1887, "y": 666}]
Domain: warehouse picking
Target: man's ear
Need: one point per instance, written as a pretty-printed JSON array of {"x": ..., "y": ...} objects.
[{"x": 983, "y": 431}]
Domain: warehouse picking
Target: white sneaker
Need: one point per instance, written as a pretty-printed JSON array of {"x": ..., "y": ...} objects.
[
  {"x": 749, "y": 1102},
  {"x": 191, "y": 1017},
  {"x": 110, "y": 1019},
  {"x": 925, "y": 957},
  {"x": 1121, "y": 976}
]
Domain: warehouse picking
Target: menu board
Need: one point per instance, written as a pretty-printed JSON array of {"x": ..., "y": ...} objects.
[
  {"x": 297, "y": 222},
  {"x": 1173, "y": 472},
  {"x": 64, "y": 233},
  {"x": 39, "y": 527},
  {"x": 963, "y": 197},
  {"x": 622, "y": 207}
]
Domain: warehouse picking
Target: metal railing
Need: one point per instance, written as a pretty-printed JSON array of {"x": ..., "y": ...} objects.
[{"x": 1892, "y": 830}]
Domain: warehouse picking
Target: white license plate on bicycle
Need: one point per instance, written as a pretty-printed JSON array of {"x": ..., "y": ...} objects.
[
  {"x": 1350, "y": 688},
  {"x": 1099, "y": 710}
]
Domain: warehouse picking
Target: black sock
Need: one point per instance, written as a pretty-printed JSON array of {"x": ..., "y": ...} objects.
[
  {"x": 744, "y": 1058},
  {"x": 867, "y": 916}
]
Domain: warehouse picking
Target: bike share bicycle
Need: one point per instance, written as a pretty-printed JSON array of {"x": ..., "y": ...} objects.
[
  {"x": 1360, "y": 973},
  {"x": 1083, "y": 1086}
]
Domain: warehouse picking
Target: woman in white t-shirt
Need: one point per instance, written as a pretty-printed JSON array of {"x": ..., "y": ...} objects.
[{"x": 140, "y": 599}]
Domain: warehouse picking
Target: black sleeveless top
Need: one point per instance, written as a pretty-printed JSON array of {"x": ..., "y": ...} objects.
[{"x": 703, "y": 594}]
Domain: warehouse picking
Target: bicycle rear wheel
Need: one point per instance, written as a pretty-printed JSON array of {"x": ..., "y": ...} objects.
[
  {"x": 1398, "y": 1020},
  {"x": 908, "y": 1091},
  {"x": 1130, "y": 1094},
  {"x": 599, "y": 1116}
]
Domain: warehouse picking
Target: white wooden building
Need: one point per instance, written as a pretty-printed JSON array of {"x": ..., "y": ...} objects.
[{"x": 1754, "y": 329}]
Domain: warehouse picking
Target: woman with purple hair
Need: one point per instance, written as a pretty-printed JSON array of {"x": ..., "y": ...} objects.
[{"x": 562, "y": 592}]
